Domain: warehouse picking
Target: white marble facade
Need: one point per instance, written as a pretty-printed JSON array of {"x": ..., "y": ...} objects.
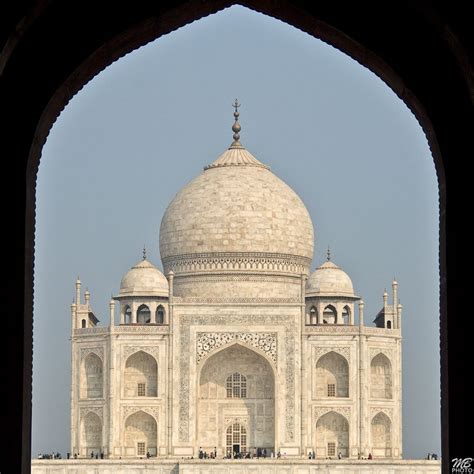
[{"x": 239, "y": 347}]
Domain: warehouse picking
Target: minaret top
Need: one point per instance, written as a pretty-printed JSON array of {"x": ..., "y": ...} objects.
[{"x": 236, "y": 127}]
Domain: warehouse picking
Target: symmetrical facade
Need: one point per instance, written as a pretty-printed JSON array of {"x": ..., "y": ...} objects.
[{"x": 239, "y": 347}]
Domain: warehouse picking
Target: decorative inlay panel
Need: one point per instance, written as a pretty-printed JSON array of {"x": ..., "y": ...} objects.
[
  {"x": 387, "y": 411},
  {"x": 387, "y": 351},
  {"x": 320, "y": 411},
  {"x": 198, "y": 299},
  {"x": 128, "y": 410},
  {"x": 129, "y": 350},
  {"x": 83, "y": 411},
  {"x": 236, "y": 261},
  {"x": 341, "y": 350},
  {"x": 208, "y": 342},
  {"x": 98, "y": 351},
  {"x": 245, "y": 320}
]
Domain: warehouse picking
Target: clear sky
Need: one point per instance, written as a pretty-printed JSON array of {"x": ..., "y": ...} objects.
[{"x": 144, "y": 127}]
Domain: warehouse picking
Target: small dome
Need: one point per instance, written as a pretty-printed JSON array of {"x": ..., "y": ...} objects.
[
  {"x": 144, "y": 279},
  {"x": 329, "y": 280}
]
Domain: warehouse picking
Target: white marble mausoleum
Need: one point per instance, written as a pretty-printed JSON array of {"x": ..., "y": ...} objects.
[{"x": 237, "y": 345}]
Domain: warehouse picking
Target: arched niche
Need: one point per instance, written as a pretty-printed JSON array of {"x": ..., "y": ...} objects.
[
  {"x": 332, "y": 436},
  {"x": 91, "y": 383},
  {"x": 381, "y": 435},
  {"x": 380, "y": 377},
  {"x": 332, "y": 376},
  {"x": 140, "y": 435},
  {"x": 141, "y": 376},
  {"x": 91, "y": 434}
]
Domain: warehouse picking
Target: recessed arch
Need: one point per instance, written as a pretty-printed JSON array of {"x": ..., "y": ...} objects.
[
  {"x": 381, "y": 377},
  {"x": 91, "y": 434},
  {"x": 91, "y": 382},
  {"x": 332, "y": 376},
  {"x": 250, "y": 378},
  {"x": 141, "y": 375},
  {"x": 332, "y": 435},
  {"x": 140, "y": 435},
  {"x": 381, "y": 435}
]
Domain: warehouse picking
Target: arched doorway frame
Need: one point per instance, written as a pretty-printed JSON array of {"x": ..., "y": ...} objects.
[
  {"x": 112, "y": 31},
  {"x": 274, "y": 370}
]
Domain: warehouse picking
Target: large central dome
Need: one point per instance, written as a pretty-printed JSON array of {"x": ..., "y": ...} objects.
[{"x": 236, "y": 215}]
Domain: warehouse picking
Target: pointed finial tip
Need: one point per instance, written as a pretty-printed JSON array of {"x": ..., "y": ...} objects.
[
  {"x": 144, "y": 252},
  {"x": 236, "y": 127},
  {"x": 328, "y": 256}
]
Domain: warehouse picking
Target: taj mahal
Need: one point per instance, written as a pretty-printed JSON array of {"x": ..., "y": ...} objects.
[{"x": 236, "y": 346}]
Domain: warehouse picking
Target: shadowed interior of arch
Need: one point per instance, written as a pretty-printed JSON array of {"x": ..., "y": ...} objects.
[{"x": 236, "y": 387}]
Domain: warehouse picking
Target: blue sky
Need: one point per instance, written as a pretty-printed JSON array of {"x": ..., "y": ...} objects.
[{"x": 144, "y": 127}]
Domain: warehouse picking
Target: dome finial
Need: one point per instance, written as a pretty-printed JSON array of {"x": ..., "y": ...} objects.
[
  {"x": 328, "y": 256},
  {"x": 236, "y": 127},
  {"x": 144, "y": 252}
]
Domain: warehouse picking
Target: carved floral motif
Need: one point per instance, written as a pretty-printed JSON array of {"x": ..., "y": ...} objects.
[
  {"x": 83, "y": 411},
  {"x": 129, "y": 350},
  {"x": 321, "y": 411},
  {"x": 98, "y": 351},
  {"x": 208, "y": 342}
]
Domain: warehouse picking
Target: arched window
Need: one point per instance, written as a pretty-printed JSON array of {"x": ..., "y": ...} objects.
[
  {"x": 143, "y": 314},
  {"x": 313, "y": 315},
  {"x": 160, "y": 315},
  {"x": 389, "y": 324},
  {"x": 380, "y": 377},
  {"x": 346, "y": 315},
  {"x": 128, "y": 315},
  {"x": 236, "y": 386},
  {"x": 329, "y": 314},
  {"x": 236, "y": 439},
  {"x": 83, "y": 323}
]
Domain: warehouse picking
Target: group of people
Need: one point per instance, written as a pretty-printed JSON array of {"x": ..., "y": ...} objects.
[
  {"x": 206, "y": 455},
  {"x": 432, "y": 456},
  {"x": 49, "y": 456}
]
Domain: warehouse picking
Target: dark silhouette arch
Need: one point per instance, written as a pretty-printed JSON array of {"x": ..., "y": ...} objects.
[{"x": 428, "y": 67}]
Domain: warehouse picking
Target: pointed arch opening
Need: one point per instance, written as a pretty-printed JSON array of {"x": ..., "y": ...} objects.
[
  {"x": 329, "y": 314},
  {"x": 160, "y": 315},
  {"x": 143, "y": 314},
  {"x": 313, "y": 315}
]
